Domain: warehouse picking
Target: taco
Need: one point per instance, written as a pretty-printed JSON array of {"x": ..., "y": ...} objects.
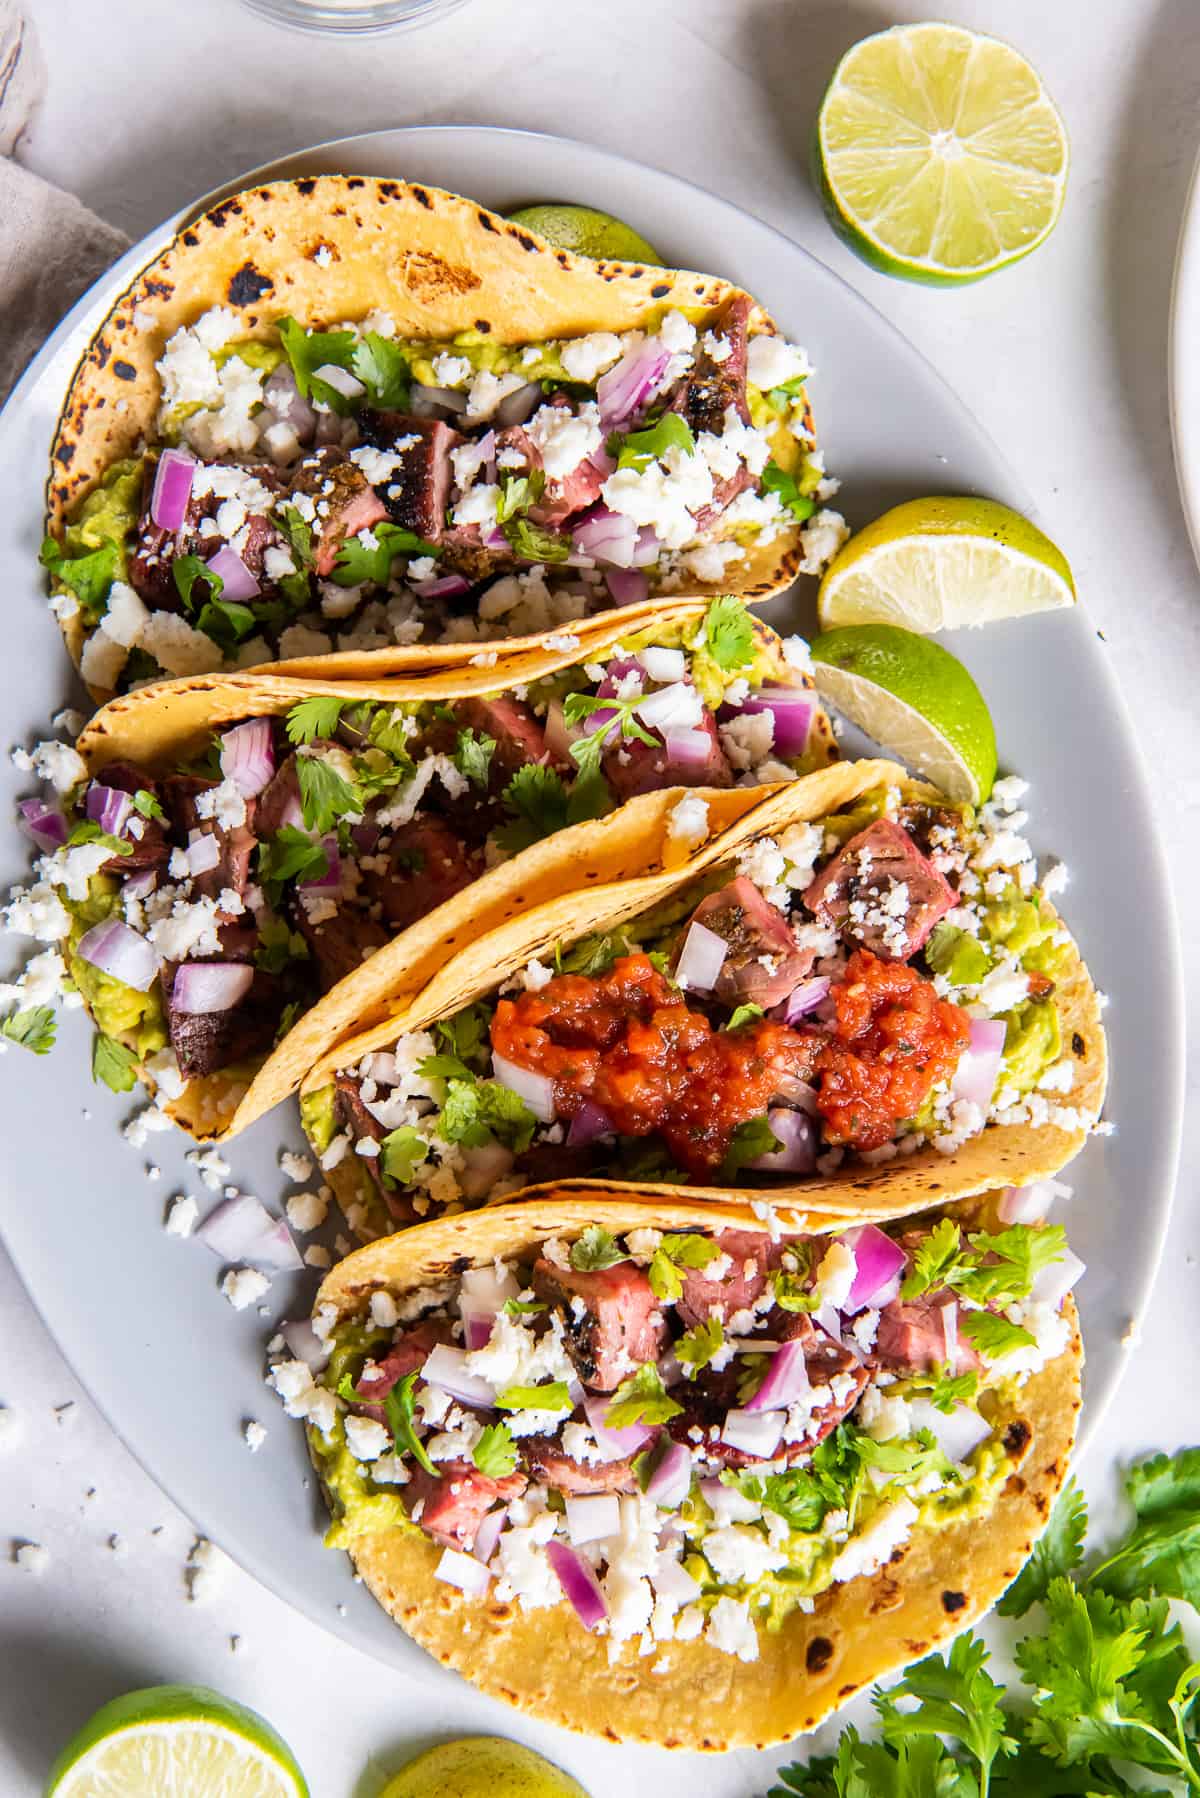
[
  {"x": 649, "y": 1471},
  {"x": 249, "y": 867},
  {"x": 857, "y": 998},
  {"x": 341, "y": 414}
]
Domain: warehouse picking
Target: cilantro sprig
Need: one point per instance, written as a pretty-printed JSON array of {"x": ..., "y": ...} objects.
[
  {"x": 642, "y": 1398},
  {"x": 33, "y": 1029}
]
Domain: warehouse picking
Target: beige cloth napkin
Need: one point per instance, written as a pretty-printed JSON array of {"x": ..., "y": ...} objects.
[{"x": 51, "y": 247}]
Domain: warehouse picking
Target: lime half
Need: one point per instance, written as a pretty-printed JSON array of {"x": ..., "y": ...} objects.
[
  {"x": 942, "y": 565},
  {"x": 183, "y": 1739},
  {"x": 940, "y": 156},
  {"x": 482, "y": 1767},
  {"x": 915, "y": 700},
  {"x": 587, "y": 232}
]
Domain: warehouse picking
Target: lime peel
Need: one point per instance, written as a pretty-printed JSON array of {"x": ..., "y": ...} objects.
[{"x": 176, "y": 1738}]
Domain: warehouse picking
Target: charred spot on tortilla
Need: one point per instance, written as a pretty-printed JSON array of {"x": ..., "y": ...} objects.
[
  {"x": 421, "y": 197},
  {"x": 159, "y": 290},
  {"x": 818, "y": 1654},
  {"x": 247, "y": 285},
  {"x": 306, "y": 184},
  {"x": 220, "y": 215},
  {"x": 426, "y": 274},
  {"x": 1078, "y": 1046},
  {"x": 953, "y": 1601},
  {"x": 660, "y": 290},
  {"x": 66, "y": 454},
  {"x": 1016, "y": 1437},
  {"x": 486, "y": 220},
  {"x": 190, "y": 239},
  {"x": 483, "y": 326},
  {"x": 124, "y": 371}
]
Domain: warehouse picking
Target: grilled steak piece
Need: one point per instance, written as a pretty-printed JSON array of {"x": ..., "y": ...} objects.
[
  {"x": 922, "y": 1335},
  {"x": 344, "y": 499},
  {"x": 341, "y": 944},
  {"x": 881, "y": 892},
  {"x": 631, "y": 767},
  {"x": 155, "y": 550},
  {"x": 754, "y": 929},
  {"x": 205, "y": 1042},
  {"x": 427, "y": 864},
  {"x": 550, "y": 1466},
  {"x": 454, "y": 1505},
  {"x": 710, "y": 388},
  {"x": 417, "y": 492},
  {"x": 151, "y": 849},
  {"x": 751, "y": 1258},
  {"x": 179, "y": 795},
  {"x": 620, "y": 1325}
]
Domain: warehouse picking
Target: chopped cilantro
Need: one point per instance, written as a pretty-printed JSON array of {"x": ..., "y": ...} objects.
[
  {"x": 518, "y": 493},
  {"x": 298, "y": 532},
  {"x": 495, "y": 1454},
  {"x": 793, "y": 1294},
  {"x": 227, "y": 622},
  {"x": 619, "y": 715},
  {"x": 145, "y": 803},
  {"x": 399, "y": 1406},
  {"x": 382, "y": 367},
  {"x": 640, "y": 448},
  {"x": 752, "y": 1139},
  {"x": 186, "y": 571},
  {"x": 948, "y": 1390},
  {"x": 88, "y": 831},
  {"x": 696, "y": 1348},
  {"x": 472, "y": 756},
  {"x": 289, "y": 855},
  {"x": 553, "y": 1396},
  {"x": 995, "y": 1269},
  {"x": 993, "y": 1335},
  {"x": 1057, "y": 1552},
  {"x": 744, "y": 1014},
  {"x": 358, "y": 562},
  {"x": 278, "y": 945},
  {"x": 674, "y": 1252},
  {"x": 114, "y": 1064},
  {"x": 593, "y": 954},
  {"x": 34, "y": 1028},
  {"x": 401, "y": 1153},
  {"x": 325, "y": 795},
  {"x": 522, "y": 1307},
  {"x": 642, "y": 1398},
  {"x": 778, "y": 480},
  {"x": 1162, "y": 1550},
  {"x": 533, "y": 544},
  {"x": 316, "y": 716},
  {"x": 475, "y": 1111},
  {"x": 88, "y": 577},
  {"x": 729, "y": 633},
  {"x": 466, "y": 1032},
  {"x": 595, "y": 1249},
  {"x": 307, "y": 351}
]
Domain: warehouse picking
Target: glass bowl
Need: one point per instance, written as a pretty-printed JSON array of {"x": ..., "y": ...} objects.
[{"x": 358, "y": 16}]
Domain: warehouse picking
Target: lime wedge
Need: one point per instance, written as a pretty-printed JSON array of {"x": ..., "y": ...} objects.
[
  {"x": 942, "y": 565},
  {"x": 915, "y": 700},
  {"x": 176, "y": 1739},
  {"x": 940, "y": 156},
  {"x": 587, "y": 232},
  {"x": 481, "y": 1767}
]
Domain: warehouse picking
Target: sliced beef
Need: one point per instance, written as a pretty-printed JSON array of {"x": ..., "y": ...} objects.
[
  {"x": 351, "y": 1114},
  {"x": 620, "y": 1326},
  {"x": 409, "y": 1352},
  {"x": 564, "y": 496},
  {"x": 427, "y": 864},
  {"x": 345, "y": 502},
  {"x": 205, "y": 1042},
  {"x": 341, "y": 944},
  {"x": 751, "y": 1257},
  {"x": 279, "y": 801},
  {"x": 710, "y": 388},
  {"x": 632, "y": 767},
  {"x": 547, "y": 1464},
  {"x": 155, "y": 551},
  {"x": 927, "y": 825},
  {"x": 179, "y": 795},
  {"x": 513, "y": 726},
  {"x": 416, "y": 493},
  {"x": 912, "y": 1338},
  {"x": 454, "y": 1505},
  {"x": 881, "y": 892},
  {"x": 764, "y": 963},
  {"x": 705, "y": 1411},
  {"x": 151, "y": 849}
]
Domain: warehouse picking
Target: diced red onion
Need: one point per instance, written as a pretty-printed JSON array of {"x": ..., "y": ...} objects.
[
  {"x": 664, "y": 665},
  {"x": 488, "y": 1534},
  {"x": 427, "y": 402},
  {"x": 341, "y": 380},
  {"x": 806, "y": 997},
  {"x": 687, "y": 748},
  {"x": 286, "y": 402},
  {"x": 242, "y": 1229},
  {"x": 120, "y": 952},
  {"x": 519, "y": 405},
  {"x": 616, "y": 1443},
  {"x": 887, "y": 1293},
  {"x": 580, "y": 1585},
  {"x": 588, "y": 1123},
  {"x": 248, "y": 756},
  {"x": 140, "y": 885},
  {"x": 240, "y": 584},
  {"x": 591, "y": 1518},
  {"x": 677, "y": 707},
  {"x": 649, "y": 548},
  {"x": 701, "y": 959},
  {"x": 607, "y": 537},
  {"x": 305, "y": 1344},
  {"x": 109, "y": 807},
  {"x": 477, "y": 1329},
  {"x": 331, "y": 880},
  {"x": 956, "y": 1432},
  {"x": 797, "y": 1133},
  {"x": 617, "y": 671},
  {"x": 464, "y": 1571},
  {"x": 204, "y": 987},
  {"x": 628, "y": 586},
  {"x": 602, "y": 462},
  {"x": 786, "y": 1381},
  {"x": 482, "y": 1167},
  {"x": 203, "y": 852},
  {"x": 446, "y": 1367},
  {"x": 878, "y": 1261},
  {"x": 975, "y": 1077},
  {"x": 1029, "y": 1204},
  {"x": 792, "y": 710},
  {"x": 172, "y": 490},
  {"x": 442, "y": 586},
  {"x": 630, "y": 382},
  {"x": 727, "y": 1504},
  {"x": 671, "y": 1480},
  {"x": 756, "y": 1433},
  {"x": 536, "y": 1089},
  {"x": 44, "y": 823},
  {"x": 1052, "y": 1284},
  {"x": 827, "y": 1317},
  {"x": 672, "y": 1581}
]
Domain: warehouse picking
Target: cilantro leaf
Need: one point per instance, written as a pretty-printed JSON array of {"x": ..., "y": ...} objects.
[
  {"x": 1162, "y": 1551},
  {"x": 316, "y": 716},
  {"x": 743, "y": 1014},
  {"x": 113, "y": 1064},
  {"x": 145, "y": 803},
  {"x": 522, "y": 1307},
  {"x": 88, "y": 577},
  {"x": 227, "y": 622},
  {"x": 34, "y": 1028},
  {"x": 553, "y": 1396},
  {"x": 298, "y": 532},
  {"x": 278, "y": 945},
  {"x": 729, "y": 633},
  {"x": 495, "y": 1454},
  {"x": 793, "y": 1294},
  {"x": 753, "y": 1138},
  {"x": 778, "y": 480},
  {"x": 472, "y": 756},
  {"x": 289, "y": 855},
  {"x": 933, "y": 1260},
  {"x": 466, "y": 1032},
  {"x": 475, "y": 1111},
  {"x": 674, "y": 1252},
  {"x": 797, "y": 1496},
  {"x": 325, "y": 795},
  {"x": 88, "y": 831},
  {"x": 399, "y": 1408},
  {"x": 696, "y": 1348},
  {"x": 382, "y": 367},
  {"x": 307, "y": 351},
  {"x": 994, "y": 1336},
  {"x": 358, "y": 561},
  {"x": 537, "y": 798},
  {"x": 642, "y": 1398},
  {"x": 533, "y": 544},
  {"x": 186, "y": 571},
  {"x": 1022, "y": 1252},
  {"x": 594, "y": 954},
  {"x": 595, "y": 1249},
  {"x": 518, "y": 493},
  {"x": 956, "y": 1696},
  {"x": 640, "y": 448},
  {"x": 401, "y": 1153},
  {"x": 620, "y": 715},
  {"x": 1056, "y": 1553}
]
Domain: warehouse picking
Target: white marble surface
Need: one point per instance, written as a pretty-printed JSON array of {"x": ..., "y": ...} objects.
[{"x": 1063, "y": 359}]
